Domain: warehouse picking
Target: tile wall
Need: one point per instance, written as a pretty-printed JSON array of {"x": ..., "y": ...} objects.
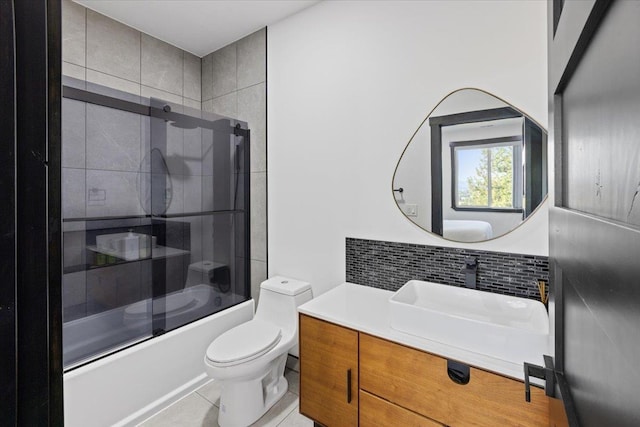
[
  {"x": 234, "y": 84},
  {"x": 99, "y": 52},
  {"x": 388, "y": 265},
  {"x": 105, "y": 150}
]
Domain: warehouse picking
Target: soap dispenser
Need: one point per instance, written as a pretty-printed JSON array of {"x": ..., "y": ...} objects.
[{"x": 131, "y": 246}]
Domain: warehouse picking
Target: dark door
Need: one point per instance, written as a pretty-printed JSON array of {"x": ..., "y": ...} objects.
[
  {"x": 594, "y": 82},
  {"x": 8, "y": 384},
  {"x": 30, "y": 243}
]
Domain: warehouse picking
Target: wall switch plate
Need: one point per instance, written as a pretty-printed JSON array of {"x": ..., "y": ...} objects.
[
  {"x": 96, "y": 197},
  {"x": 411, "y": 209}
]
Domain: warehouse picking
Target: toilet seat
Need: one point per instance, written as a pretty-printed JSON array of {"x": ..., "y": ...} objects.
[{"x": 243, "y": 343}]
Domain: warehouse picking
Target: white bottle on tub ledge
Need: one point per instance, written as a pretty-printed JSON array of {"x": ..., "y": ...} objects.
[
  {"x": 145, "y": 242},
  {"x": 131, "y": 246}
]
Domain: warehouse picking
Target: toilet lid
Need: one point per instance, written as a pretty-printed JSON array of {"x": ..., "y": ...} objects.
[{"x": 244, "y": 342}]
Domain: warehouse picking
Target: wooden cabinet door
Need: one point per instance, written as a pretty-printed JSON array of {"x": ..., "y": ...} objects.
[
  {"x": 419, "y": 382},
  {"x": 328, "y": 372}
]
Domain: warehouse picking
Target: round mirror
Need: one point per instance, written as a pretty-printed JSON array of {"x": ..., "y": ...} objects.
[{"x": 475, "y": 169}]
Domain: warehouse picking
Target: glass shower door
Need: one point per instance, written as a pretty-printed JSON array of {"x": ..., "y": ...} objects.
[
  {"x": 199, "y": 199},
  {"x": 155, "y": 214},
  {"x": 103, "y": 274}
]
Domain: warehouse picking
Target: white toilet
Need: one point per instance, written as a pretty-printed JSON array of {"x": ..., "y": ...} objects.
[{"x": 249, "y": 359}]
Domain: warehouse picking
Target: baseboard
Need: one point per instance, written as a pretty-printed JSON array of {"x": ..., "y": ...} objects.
[{"x": 163, "y": 402}]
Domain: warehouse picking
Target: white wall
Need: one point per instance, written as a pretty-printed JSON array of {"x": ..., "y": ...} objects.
[{"x": 348, "y": 84}]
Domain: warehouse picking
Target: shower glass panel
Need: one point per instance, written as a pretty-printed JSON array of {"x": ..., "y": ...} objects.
[{"x": 155, "y": 215}]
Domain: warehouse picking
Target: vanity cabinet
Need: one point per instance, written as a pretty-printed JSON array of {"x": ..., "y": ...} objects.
[
  {"x": 391, "y": 384},
  {"x": 328, "y": 372}
]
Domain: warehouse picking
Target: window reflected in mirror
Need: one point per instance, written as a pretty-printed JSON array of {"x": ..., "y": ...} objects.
[{"x": 487, "y": 173}]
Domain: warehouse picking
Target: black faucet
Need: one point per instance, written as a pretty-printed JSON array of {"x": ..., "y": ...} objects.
[{"x": 470, "y": 270}]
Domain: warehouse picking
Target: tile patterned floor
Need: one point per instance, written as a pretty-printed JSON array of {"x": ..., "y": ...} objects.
[{"x": 200, "y": 408}]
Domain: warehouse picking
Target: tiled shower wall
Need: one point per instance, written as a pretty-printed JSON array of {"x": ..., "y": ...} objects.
[
  {"x": 105, "y": 148},
  {"x": 98, "y": 50},
  {"x": 388, "y": 265},
  {"x": 234, "y": 84}
]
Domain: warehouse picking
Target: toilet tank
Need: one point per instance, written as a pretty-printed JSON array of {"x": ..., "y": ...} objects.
[
  {"x": 285, "y": 285},
  {"x": 202, "y": 272},
  {"x": 279, "y": 301}
]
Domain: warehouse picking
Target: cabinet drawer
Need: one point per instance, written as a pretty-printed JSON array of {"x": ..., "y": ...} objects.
[
  {"x": 376, "y": 412},
  {"x": 419, "y": 381}
]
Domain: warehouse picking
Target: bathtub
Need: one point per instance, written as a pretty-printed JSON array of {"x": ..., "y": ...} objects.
[
  {"x": 123, "y": 326},
  {"x": 127, "y": 387}
]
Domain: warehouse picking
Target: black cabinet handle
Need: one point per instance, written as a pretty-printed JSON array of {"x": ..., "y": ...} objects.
[
  {"x": 348, "y": 385},
  {"x": 458, "y": 372}
]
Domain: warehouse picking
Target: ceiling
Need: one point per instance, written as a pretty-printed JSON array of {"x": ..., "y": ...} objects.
[{"x": 197, "y": 26}]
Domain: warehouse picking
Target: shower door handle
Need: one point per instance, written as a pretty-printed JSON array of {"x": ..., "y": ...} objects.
[{"x": 348, "y": 385}]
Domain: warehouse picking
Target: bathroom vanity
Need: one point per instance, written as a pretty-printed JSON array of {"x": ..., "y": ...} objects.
[{"x": 356, "y": 370}]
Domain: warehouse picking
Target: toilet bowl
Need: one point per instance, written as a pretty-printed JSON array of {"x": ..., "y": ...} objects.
[{"x": 249, "y": 359}]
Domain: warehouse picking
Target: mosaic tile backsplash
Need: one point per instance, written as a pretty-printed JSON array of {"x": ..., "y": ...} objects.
[{"x": 388, "y": 265}]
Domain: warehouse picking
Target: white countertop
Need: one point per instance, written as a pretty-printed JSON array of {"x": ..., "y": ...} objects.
[{"x": 366, "y": 309}]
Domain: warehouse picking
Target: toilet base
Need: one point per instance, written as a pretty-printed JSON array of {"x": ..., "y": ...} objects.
[{"x": 243, "y": 402}]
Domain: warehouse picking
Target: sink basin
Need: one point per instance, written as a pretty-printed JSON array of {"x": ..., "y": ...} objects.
[{"x": 509, "y": 328}]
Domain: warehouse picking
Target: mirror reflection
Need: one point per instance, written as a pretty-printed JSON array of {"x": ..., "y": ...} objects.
[{"x": 475, "y": 169}]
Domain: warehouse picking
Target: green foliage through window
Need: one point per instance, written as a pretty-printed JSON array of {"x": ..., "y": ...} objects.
[{"x": 485, "y": 176}]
